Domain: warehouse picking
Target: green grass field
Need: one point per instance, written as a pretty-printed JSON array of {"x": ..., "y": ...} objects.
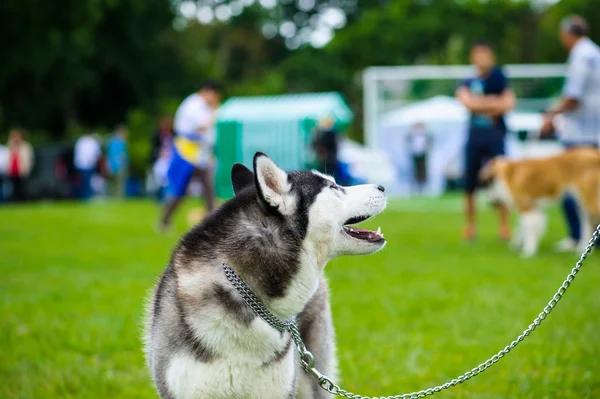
[{"x": 427, "y": 308}]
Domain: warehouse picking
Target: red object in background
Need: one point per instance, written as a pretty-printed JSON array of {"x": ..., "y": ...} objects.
[
  {"x": 14, "y": 166},
  {"x": 60, "y": 169},
  {"x": 103, "y": 167}
]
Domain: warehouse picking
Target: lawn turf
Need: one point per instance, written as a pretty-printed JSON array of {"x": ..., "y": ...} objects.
[{"x": 425, "y": 309}]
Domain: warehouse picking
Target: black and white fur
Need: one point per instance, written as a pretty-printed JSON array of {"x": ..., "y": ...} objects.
[{"x": 277, "y": 233}]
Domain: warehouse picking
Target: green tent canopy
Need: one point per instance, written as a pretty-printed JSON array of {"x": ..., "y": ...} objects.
[{"x": 280, "y": 126}]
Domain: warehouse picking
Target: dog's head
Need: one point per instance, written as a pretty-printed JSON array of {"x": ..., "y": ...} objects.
[
  {"x": 491, "y": 177},
  {"x": 490, "y": 170},
  {"x": 320, "y": 210}
]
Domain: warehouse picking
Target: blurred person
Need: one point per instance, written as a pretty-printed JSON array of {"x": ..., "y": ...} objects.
[
  {"x": 162, "y": 139},
  {"x": 20, "y": 163},
  {"x": 86, "y": 158},
  {"x": 419, "y": 143},
  {"x": 326, "y": 146},
  {"x": 101, "y": 173},
  {"x": 160, "y": 156},
  {"x": 118, "y": 161},
  {"x": 487, "y": 96},
  {"x": 579, "y": 107},
  {"x": 4, "y": 155},
  {"x": 192, "y": 154},
  {"x": 160, "y": 170}
]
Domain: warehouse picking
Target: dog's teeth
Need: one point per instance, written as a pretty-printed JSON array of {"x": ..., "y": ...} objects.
[{"x": 379, "y": 230}]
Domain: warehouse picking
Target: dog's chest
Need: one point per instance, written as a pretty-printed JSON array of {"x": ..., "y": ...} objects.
[
  {"x": 189, "y": 379},
  {"x": 253, "y": 362}
]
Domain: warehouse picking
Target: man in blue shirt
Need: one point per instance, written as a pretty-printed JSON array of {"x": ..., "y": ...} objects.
[
  {"x": 487, "y": 96},
  {"x": 118, "y": 161}
]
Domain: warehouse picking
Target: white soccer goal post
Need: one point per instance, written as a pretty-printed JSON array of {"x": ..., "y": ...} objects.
[
  {"x": 396, "y": 97},
  {"x": 387, "y": 88}
]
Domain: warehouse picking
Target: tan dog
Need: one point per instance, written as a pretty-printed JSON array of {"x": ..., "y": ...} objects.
[{"x": 526, "y": 185}]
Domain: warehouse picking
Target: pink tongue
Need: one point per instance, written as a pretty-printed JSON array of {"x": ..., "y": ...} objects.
[{"x": 359, "y": 230}]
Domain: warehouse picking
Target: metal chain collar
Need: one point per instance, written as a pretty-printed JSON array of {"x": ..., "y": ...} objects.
[{"x": 325, "y": 382}]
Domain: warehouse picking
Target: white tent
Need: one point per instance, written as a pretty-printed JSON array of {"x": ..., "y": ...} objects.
[
  {"x": 447, "y": 121},
  {"x": 371, "y": 166},
  {"x": 436, "y": 109},
  {"x": 530, "y": 121}
]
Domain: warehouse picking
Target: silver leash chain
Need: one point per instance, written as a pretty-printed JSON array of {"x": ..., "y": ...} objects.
[{"x": 325, "y": 382}]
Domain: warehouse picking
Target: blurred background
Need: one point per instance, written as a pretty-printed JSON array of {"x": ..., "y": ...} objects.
[
  {"x": 93, "y": 65},
  {"x": 110, "y": 75}
]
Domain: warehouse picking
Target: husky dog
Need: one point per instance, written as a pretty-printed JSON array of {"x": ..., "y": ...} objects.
[{"x": 277, "y": 233}]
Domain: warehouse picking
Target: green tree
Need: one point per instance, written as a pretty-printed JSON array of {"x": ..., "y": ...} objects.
[
  {"x": 236, "y": 53},
  {"x": 548, "y": 46},
  {"x": 86, "y": 62}
]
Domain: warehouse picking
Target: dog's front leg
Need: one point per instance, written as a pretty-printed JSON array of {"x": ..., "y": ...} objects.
[
  {"x": 532, "y": 227},
  {"x": 316, "y": 329},
  {"x": 516, "y": 241}
]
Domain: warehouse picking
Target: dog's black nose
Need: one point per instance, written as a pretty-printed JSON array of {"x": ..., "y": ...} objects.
[{"x": 381, "y": 188}]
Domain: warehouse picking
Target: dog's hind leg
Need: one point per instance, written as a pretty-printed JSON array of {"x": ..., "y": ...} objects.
[
  {"x": 586, "y": 230},
  {"x": 589, "y": 209},
  {"x": 588, "y": 204},
  {"x": 316, "y": 328}
]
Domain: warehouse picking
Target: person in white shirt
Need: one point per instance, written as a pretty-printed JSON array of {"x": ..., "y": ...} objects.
[
  {"x": 579, "y": 109},
  {"x": 86, "y": 155},
  {"x": 192, "y": 153}
]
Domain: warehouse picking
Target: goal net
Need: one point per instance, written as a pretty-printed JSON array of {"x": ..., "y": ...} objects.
[{"x": 397, "y": 98}]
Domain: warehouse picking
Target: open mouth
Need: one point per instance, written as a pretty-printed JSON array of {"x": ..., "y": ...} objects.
[{"x": 361, "y": 234}]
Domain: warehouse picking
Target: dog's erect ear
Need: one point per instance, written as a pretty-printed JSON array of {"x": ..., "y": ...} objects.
[
  {"x": 272, "y": 185},
  {"x": 241, "y": 177}
]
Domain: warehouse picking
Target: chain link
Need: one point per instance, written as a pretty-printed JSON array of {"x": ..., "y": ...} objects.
[
  {"x": 325, "y": 382},
  {"x": 254, "y": 303}
]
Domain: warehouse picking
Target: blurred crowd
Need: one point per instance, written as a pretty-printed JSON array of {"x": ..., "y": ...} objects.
[
  {"x": 181, "y": 160},
  {"x": 93, "y": 167}
]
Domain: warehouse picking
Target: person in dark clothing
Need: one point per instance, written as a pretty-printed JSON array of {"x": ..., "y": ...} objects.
[
  {"x": 419, "y": 143},
  {"x": 488, "y": 97},
  {"x": 161, "y": 139},
  {"x": 326, "y": 147},
  {"x": 160, "y": 154}
]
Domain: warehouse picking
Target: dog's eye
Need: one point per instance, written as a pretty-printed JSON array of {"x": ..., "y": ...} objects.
[{"x": 337, "y": 188}]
